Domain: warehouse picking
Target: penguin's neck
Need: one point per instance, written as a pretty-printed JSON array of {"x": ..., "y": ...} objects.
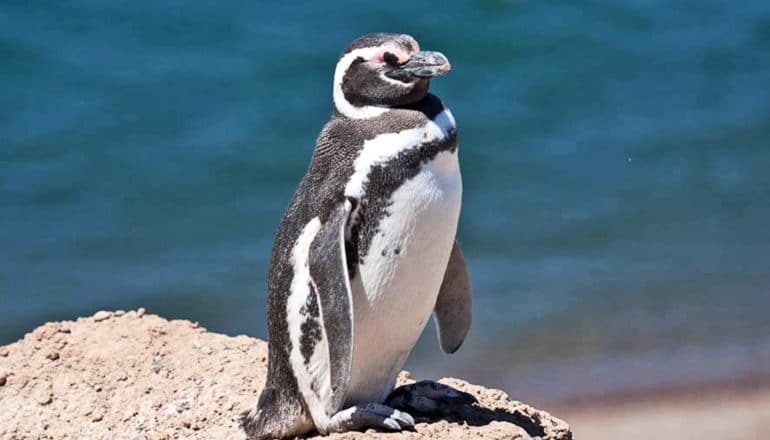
[
  {"x": 428, "y": 104},
  {"x": 406, "y": 130}
]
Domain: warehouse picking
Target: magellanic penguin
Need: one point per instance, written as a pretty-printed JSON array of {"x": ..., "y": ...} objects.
[{"x": 366, "y": 252}]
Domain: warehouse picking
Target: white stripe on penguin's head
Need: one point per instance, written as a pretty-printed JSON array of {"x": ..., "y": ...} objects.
[
  {"x": 382, "y": 71},
  {"x": 340, "y": 102}
]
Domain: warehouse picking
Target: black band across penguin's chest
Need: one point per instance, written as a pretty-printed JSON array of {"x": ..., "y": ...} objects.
[{"x": 383, "y": 180}]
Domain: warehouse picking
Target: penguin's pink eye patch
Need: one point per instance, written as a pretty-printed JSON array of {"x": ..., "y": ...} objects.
[{"x": 391, "y": 55}]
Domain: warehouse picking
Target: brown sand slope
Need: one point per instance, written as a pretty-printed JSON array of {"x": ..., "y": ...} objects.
[{"x": 135, "y": 376}]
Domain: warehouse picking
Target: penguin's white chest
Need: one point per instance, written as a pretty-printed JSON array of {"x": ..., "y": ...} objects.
[{"x": 397, "y": 284}]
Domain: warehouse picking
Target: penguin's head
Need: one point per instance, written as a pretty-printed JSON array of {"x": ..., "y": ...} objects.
[{"x": 381, "y": 71}]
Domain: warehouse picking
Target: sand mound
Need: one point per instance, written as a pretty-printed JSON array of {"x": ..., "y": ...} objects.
[{"x": 136, "y": 376}]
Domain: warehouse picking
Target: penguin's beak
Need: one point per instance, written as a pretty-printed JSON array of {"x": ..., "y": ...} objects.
[{"x": 426, "y": 64}]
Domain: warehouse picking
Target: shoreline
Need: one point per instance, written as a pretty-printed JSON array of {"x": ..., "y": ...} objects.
[
  {"x": 735, "y": 409},
  {"x": 683, "y": 392}
]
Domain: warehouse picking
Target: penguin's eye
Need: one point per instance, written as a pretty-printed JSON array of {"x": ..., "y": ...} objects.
[{"x": 390, "y": 58}]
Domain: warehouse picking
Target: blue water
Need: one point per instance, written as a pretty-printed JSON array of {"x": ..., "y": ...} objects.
[{"x": 615, "y": 156}]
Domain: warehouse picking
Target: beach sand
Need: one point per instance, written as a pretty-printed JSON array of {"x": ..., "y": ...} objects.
[{"x": 724, "y": 411}]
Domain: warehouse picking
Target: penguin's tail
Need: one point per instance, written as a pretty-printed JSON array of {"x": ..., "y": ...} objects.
[{"x": 275, "y": 416}]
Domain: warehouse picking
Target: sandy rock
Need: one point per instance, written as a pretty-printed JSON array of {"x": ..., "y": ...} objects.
[
  {"x": 133, "y": 375},
  {"x": 44, "y": 395},
  {"x": 102, "y": 315}
]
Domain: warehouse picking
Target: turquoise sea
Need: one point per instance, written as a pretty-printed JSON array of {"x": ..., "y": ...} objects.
[{"x": 615, "y": 156}]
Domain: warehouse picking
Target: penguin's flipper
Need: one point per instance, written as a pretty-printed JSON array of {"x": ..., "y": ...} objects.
[
  {"x": 453, "y": 305},
  {"x": 308, "y": 375},
  {"x": 329, "y": 271}
]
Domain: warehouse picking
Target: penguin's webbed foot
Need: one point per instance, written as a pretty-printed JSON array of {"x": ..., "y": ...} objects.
[
  {"x": 370, "y": 415},
  {"x": 429, "y": 398}
]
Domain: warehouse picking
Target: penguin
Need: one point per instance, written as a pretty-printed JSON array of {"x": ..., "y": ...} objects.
[{"x": 366, "y": 252}]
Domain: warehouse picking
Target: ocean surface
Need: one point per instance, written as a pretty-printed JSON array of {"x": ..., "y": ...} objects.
[{"x": 615, "y": 157}]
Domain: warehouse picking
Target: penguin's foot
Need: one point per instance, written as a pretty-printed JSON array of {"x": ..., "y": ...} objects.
[
  {"x": 370, "y": 415},
  {"x": 429, "y": 398}
]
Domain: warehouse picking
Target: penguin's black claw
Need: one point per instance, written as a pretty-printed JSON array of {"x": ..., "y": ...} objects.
[
  {"x": 429, "y": 398},
  {"x": 370, "y": 415}
]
